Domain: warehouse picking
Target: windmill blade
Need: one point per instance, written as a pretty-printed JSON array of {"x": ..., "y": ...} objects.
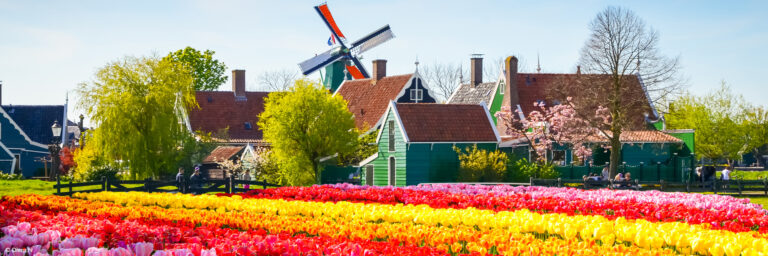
[
  {"x": 372, "y": 40},
  {"x": 319, "y": 61},
  {"x": 357, "y": 71},
  {"x": 325, "y": 14}
]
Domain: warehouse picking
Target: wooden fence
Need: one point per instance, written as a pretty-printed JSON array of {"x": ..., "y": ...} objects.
[
  {"x": 716, "y": 186},
  {"x": 228, "y": 185}
]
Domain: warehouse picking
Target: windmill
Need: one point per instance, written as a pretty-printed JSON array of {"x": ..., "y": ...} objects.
[{"x": 342, "y": 57}]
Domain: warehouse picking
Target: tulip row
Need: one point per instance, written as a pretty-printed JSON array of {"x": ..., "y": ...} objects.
[
  {"x": 695, "y": 200},
  {"x": 285, "y": 218},
  {"x": 738, "y": 219},
  {"x": 113, "y": 232},
  {"x": 452, "y": 223}
]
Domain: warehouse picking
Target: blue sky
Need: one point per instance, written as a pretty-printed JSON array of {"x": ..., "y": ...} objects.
[{"x": 48, "y": 47}]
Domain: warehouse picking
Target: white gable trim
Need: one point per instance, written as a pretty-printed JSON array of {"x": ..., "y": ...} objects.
[
  {"x": 393, "y": 108},
  {"x": 369, "y": 159},
  {"x": 248, "y": 150},
  {"x": 341, "y": 85},
  {"x": 404, "y": 87},
  {"x": 21, "y": 131},
  {"x": 13, "y": 157},
  {"x": 490, "y": 121},
  {"x": 648, "y": 96}
]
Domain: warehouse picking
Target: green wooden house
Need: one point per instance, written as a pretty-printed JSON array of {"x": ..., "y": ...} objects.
[{"x": 416, "y": 142}]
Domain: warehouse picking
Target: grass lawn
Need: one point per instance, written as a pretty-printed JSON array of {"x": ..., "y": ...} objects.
[
  {"x": 747, "y": 175},
  {"x": 19, "y": 187}
]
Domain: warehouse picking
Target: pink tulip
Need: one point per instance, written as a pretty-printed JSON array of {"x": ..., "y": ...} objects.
[
  {"x": 68, "y": 252},
  {"x": 163, "y": 253},
  {"x": 120, "y": 252},
  {"x": 143, "y": 249},
  {"x": 93, "y": 251},
  {"x": 209, "y": 252},
  {"x": 183, "y": 252},
  {"x": 38, "y": 248}
]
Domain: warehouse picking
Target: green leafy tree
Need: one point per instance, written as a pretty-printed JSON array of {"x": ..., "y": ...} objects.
[
  {"x": 522, "y": 170},
  {"x": 481, "y": 165},
  {"x": 207, "y": 71},
  {"x": 726, "y": 126},
  {"x": 135, "y": 105},
  {"x": 303, "y": 125},
  {"x": 365, "y": 147}
]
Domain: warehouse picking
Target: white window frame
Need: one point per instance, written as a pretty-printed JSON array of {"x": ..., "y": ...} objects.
[
  {"x": 392, "y": 171},
  {"x": 417, "y": 94}
]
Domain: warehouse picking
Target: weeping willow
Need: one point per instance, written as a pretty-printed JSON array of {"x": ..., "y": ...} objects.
[{"x": 134, "y": 105}]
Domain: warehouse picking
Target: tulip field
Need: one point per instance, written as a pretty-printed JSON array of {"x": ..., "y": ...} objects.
[{"x": 361, "y": 220}]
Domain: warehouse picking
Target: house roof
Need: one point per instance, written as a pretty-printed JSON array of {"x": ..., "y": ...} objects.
[
  {"x": 220, "y": 110},
  {"x": 533, "y": 87},
  {"x": 627, "y": 137},
  {"x": 36, "y": 120},
  {"x": 466, "y": 94},
  {"x": 368, "y": 99},
  {"x": 222, "y": 153},
  {"x": 428, "y": 122}
]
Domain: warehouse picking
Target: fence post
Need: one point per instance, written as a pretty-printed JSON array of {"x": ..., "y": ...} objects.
[
  {"x": 228, "y": 185},
  {"x": 264, "y": 183},
  {"x": 58, "y": 187},
  {"x": 687, "y": 186},
  {"x": 738, "y": 182},
  {"x": 641, "y": 171},
  {"x": 70, "y": 188},
  {"x": 559, "y": 182},
  {"x": 714, "y": 186},
  {"x": 103, "y": 183},
  {"x": 147, "y": 185},
  {"x": 106, "y": 185},
  {"x": 530, "y": 180},
  {"x": 661, "y": 182}
]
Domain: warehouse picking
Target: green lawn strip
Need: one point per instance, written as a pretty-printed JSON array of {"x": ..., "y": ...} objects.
[{"x": 747, "y": 175}]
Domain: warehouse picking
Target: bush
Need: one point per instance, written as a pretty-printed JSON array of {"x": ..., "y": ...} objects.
[
  {"x": 481, "y": 165},
  {"x": 8, "y": 176},
  {"x": 522, "y": 170}
]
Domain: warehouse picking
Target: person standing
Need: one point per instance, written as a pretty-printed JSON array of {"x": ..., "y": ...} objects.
[
  {"x": 180, "y": 179},
  {"x": 726, "y": 174},
  {"x": 196, "y": 181}
]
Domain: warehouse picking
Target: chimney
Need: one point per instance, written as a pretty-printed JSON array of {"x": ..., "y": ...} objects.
[
  {"x": 238, "y": 82},
  {"x": 510, "y": 66},
  {"x": 477, "y": 70},
  {"x": 379, "y": 69}
]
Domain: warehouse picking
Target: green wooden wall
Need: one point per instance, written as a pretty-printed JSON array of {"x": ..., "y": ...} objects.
[
  {"x": 380, "y": 164},
  {"x": 436, "y": 162},
  {"x": 495, "y": 106}
]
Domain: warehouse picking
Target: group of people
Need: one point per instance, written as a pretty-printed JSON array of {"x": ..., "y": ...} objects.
[{"x": 623, "y": 178}]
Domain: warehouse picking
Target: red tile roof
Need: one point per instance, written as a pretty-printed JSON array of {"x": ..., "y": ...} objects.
[
  {"x": 368, "y": 99},
  {"x": 219, "y": 110},
  {"x": 627, "y": 137},
  {"x": 222, "y": 153},
  {"x": 427, "y": 122},
  {"x": 533, "y": 87}
]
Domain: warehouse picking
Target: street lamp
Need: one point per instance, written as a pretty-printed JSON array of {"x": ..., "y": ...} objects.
[{"x": 54, "y": 149}]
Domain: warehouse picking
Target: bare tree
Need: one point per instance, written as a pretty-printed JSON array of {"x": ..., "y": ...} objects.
[
  {"x": 442, "y": 78},
  {"x": 620, "y": 45},
  {"x": 278, "y": 80}
]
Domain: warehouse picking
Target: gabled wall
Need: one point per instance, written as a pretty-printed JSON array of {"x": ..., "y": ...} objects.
[
  {"x": 416, "y": 82},
  {"x": 18, "y": 143},
  {"x": 380, "y": 164}
]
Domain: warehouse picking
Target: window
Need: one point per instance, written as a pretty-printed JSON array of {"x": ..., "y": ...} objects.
[
  {"x": 391, "y": 133},
  {"x": 417, "y": 94},
  {"x": 369, "y": 175},
  {"x": 502, "y": 86},
  {"x": 558, "y": 157},
  {"x": 248, "y": 126},
  {"x": 391, "y": 171}
]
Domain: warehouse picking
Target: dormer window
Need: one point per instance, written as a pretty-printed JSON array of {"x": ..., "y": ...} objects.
[
  {"x": 417, "y": 94},
  {"x": 248, "y": 126}
]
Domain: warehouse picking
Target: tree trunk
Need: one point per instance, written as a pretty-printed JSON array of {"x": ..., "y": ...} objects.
[
  {"x": 615, "y": 154},
  {"x": 316, "y": 169}
]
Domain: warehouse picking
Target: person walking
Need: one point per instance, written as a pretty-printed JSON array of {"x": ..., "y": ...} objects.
[
  {"x": 196, "y": 181},
  {"x": 726, "y": 174}
]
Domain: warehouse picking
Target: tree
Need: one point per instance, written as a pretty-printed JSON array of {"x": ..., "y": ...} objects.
[
  {"x": 619, "y": 45},
  {"x": 207, "y": 71},
  {"x": 277, "y": 81},
  {"x": 135, "y": 105},
  {"x": 726, "y": 127},
  {"x": 548, "y": 127},
  {"x": 303, "y": 125},
  {"x": 442, "y": 78},
  {"x": 365, "y": 147}
]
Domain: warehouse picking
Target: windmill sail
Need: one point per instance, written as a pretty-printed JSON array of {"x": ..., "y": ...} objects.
[
  {"x": 329, "y": 21},
  {"x": 319, "y": 61},
  {"x": 372, "y": 40}
]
